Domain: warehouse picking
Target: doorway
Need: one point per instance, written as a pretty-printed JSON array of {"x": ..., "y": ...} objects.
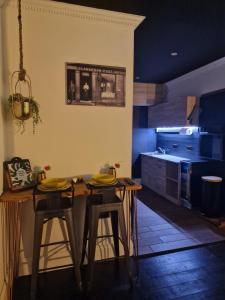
[{"x": 162, "y": 225}]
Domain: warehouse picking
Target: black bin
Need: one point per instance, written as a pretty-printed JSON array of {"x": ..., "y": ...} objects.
[{"x": 211, "y": 204}]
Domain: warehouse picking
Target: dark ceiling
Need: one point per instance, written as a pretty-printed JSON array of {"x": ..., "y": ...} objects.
[{"x": 195, "y": 29}]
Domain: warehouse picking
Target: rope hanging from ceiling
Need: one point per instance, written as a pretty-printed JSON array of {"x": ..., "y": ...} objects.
[
  {"x": 22, "y": 72},
  {"x": 22, "y": 104},
  {"x": 20, "y": 82}
]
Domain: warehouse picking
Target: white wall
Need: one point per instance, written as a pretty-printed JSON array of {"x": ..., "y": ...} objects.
[
  {"x": 1, "y": 100},
  {"x": 203, "y": 80},
  {"x": 72, "y": 139},
  {"x": 2, "y": 283}
]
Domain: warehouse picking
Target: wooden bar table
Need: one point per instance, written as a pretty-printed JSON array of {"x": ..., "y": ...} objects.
[{"x": 12, "y": 205}]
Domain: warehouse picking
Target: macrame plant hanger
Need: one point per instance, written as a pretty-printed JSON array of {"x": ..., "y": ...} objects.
[{"x": 21, "y": 83}]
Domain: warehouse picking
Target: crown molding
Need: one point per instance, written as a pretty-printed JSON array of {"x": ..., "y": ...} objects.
[
  {"x": 2, "y": 3},
  {"x": 77, "y": 11}
]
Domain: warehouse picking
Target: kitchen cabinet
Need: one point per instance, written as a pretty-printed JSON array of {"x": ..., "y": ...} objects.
[
  {"x": 173, "y": 182},
  {"x": 182, "y": 111},
  {"x": 147, "y": 94},
  {"x": 153, "y": 174},
  {"x": 161, "y": 176}
]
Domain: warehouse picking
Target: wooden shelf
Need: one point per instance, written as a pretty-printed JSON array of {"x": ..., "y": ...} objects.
[{"x": 148, "y": 94}]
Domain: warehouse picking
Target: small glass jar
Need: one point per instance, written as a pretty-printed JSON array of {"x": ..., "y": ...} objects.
[
  {"x": 112, "y": 171},
  {"x": 41, "y": 176}
]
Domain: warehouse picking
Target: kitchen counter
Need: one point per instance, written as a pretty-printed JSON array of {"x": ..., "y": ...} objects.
[
  {"x": 161, "y": 173},
  {"x": 168, "y": 157}
]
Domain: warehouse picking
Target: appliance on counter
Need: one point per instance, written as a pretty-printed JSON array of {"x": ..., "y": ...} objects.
[{"x": 191, "y": 172}]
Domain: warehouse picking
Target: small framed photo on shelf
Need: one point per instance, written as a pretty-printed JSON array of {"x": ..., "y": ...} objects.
[{"x": 19, "y": 174}]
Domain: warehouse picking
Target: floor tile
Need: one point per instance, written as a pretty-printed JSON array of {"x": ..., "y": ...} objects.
[
  {"x": 162, "y": 226},
  {"x": 150, "y": 241},
  {"x": 173, "y": 245},
  {"x": 159, "y": 233},
  {"x": 174, "y": 227},
  {"x": 174, "y": 237}
]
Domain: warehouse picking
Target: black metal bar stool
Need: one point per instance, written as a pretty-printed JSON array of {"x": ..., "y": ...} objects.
[
  {"x": 211, "y": 204},
  {"x": 49, "y": 205},
  {"x": 104, "y": 202}
]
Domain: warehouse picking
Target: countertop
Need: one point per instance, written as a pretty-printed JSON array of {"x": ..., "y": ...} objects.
[
  {"x": 168, "y": 157},
  {"x": 79, "y": 188}
]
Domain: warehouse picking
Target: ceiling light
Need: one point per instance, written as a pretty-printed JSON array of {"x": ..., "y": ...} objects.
[{"x": 174, "y": 53}]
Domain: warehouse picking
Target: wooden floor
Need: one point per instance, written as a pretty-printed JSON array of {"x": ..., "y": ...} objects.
[
  {"x": 164, "y": 226},
  {"x": 195, "y": 274}
]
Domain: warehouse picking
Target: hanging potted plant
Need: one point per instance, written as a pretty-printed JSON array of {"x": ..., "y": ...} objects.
[{"x": 22, "y": 107}]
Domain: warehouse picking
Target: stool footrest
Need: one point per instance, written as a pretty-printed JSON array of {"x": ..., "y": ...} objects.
[
  {"x": 106, "y": 236},
  {"x": 54, "y": 243},
  {"x": 55, "y": 268}
]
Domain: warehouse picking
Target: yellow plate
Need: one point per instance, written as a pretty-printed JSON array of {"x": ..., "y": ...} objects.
[
  {"x": 43, "y": 188},
  {"x": 95, "y": 183},
  {"x": 54, "y": 182},
  {"x": 104, "y": 178}
]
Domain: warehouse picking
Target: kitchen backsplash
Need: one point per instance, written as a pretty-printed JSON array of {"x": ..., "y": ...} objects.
[{"x": 180, "y": 145}]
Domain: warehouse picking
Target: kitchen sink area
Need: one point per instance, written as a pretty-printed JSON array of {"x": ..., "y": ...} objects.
[
  {"x": 167, "y": 157},
  {"x": 169, "y": 210},
  {"x": 169, "y": 207}
]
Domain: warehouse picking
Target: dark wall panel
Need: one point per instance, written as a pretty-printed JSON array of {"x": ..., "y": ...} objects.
[{"x": 143, "y": 138}]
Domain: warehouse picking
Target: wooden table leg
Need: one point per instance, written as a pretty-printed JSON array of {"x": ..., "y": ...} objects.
[
  {"x": 134, "y": 226},
  {"x": 12, "y": 235}
]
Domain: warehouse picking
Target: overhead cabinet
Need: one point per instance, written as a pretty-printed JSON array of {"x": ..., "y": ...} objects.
[
  {"x": 163, "y": 111},
  {"x": 182, "y": 111},
  {"x": 148, "y": 94}
]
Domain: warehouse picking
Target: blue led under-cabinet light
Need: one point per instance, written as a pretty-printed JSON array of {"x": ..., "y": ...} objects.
[{"x": 191, "y": 129}]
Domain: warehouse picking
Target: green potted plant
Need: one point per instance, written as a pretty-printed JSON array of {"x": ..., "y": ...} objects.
[{"x": 24, "y": 108}]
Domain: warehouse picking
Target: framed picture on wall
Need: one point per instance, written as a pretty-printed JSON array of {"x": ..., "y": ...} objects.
[
  {"x": 19, "y": 174},
  {"x": 95, "y": 85}
]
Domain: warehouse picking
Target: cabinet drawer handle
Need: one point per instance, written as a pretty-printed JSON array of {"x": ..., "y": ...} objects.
[{"x": 189, "y": 147}]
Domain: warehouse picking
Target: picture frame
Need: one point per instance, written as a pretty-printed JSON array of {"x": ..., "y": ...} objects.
[
  {"x": 19, "y": 174},
  {"x": 95, "y": 85}
]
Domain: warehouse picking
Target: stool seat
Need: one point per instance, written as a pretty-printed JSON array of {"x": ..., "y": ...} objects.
[
  {"x": 53, "y": 206},
  {"x": 212, "y": 178},
  {"x": 97, "y": 201},
  {"x": 211, "y": 204}
]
